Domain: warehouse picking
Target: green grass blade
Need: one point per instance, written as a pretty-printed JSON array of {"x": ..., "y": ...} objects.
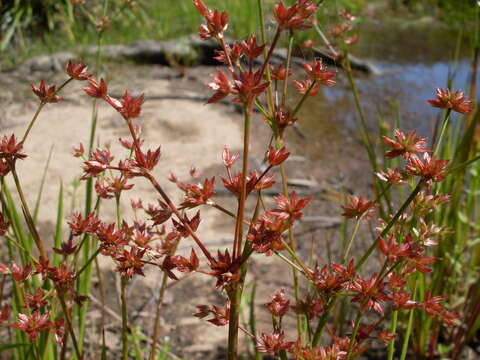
[{"x": 58, "y": 226}]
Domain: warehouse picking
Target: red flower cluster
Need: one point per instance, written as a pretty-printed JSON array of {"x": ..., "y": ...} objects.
[
  {"x": 298, "y": 16},
  {"x": 455, "y": 101}
]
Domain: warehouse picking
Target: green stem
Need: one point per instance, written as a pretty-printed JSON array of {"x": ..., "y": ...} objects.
[
  {"x": 354, "y": 234},
  {"x": 303, "y": 98},
  {"x": 442, "y": 132},
  {"x": 322, "y": 321},
  {"x": 27, "y": 214},
  {"x": 89, "y": 261},
  {"x": 287, "y": 67},
  {"x": 265, "y": 55},
  {"x": 123, "y": 296},
  {"x": 409, "y": 328},
  {"x": 393, "y": 330},
  {"x": 354, "y": 333}
]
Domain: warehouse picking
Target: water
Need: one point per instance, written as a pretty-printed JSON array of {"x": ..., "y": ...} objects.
[{"x": 414, "y": 61}]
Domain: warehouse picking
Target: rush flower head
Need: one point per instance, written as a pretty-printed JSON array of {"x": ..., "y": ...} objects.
[
  {"x": 405, "y": 144},
  {"x": 234, "y": 183},
  {"x": 88, "y": 225},
  {"x": 248, "y": 86},
  {"x": 147, "y": 160},
  {"x": 62, "y": 277},
  {"x": 185, "y": 265},
  {"x": 392, "y": 176},
  {"x": 233, "y": 54},
  {"x": 266, "y": 234},
  {"x": 279, "y": 305},
  {"x": 159, "y": 214},
  {"x": 298, "y": 16},
  {"x": 329, "y": 280},
  {"x": 319, "y": 73},
  {"x": 79, "y": 151},
  {"x": 393, "y": 250},
  {"x": 430, "y": 168},
  {"x": 370, "y": 293},
  {"x": 10, "y": 149},
  {"x": 130, "y": 106},
  {"x": 130, "y": 262},
  {"x": 357, "y": 207},
  {"x": 37, "y": 301},
  {"x": 229, "y": 160},
  {"x": 217, "y": 22},
  {"x": 78, "y": 71},
  {"x": 307, "y": 86},
  {"x": 311, "y": 306},
  {"x": 66, "y": 247},
  {"x": 403, "y": 300},
  {"x": 283, "y": 118},
  {"x": 455, "y": 101},
  {"x": 20, "y": 274},
  {"x": 290, "y": 207},
  {"x": 432, "y": 307},
  {"x": 274, "y": 343},
  {"x": 97, "y": 89},
  {"x": 425, "y": 203},
  {"x": 250, "y": 48},
  {"x": 194, "y": 222},
  {"x": 220, "y": 315},
  {"x": 46, "y": 95},
  {"x": 339, "y": 30},
  {"x": 222, "y": 87},
  {"x": 279, "y": 73},
  {"x": 33, "y": 324},
  {"x": 197, "y": 194},
  {"x": 344, "y": 13},
  {"x": 276, "y": 157},
  {"x": 98, "y": 163},
  {"x": 225, "y": 269}
]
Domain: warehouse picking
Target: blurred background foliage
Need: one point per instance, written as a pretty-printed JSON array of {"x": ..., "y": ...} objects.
[{"x": 29, "y": 27}]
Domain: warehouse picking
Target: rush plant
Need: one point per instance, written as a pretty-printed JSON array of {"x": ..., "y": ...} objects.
[{"x": 47, "y": 310}]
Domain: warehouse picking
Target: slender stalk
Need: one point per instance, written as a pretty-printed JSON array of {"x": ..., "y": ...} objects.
[
  {"x": 289, "y": 262},
  {"x": 393, "y": 330},
  {"x": 303, "y": 98},
  {"x": 89, "y": 261},
  {"x": 354, "y": 333},
  {"x": 349, "y": 245},
  {"x": 403, "y": 355},
  {"x": 156, "y": 323},
  {"x": 442, "y": 131},
  {"x": 39, "y": 109},
  {"x": 123, "y": 296},
  {"x": 69, "y": 324},
  {"x": 28, "y": 215},
  {"x": 287, "y": 67},
  {"x": 243, "y": 195},
  {"x": 235, "y": 294},
  {"x": 265, "y": 55},
  {"x": 322, "y": 321}
]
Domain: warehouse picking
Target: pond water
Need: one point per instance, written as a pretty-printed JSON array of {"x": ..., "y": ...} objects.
[{"x": 414, "y": 61}]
